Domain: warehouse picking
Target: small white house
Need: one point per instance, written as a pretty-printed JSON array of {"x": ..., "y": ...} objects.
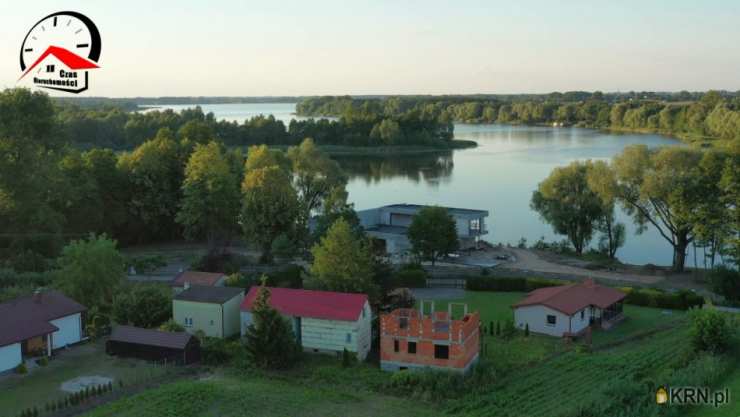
[
  {"x": 568, "y": 310},
  {"x": 36, "y": 325},
  {"x": 323, "y": 321}
]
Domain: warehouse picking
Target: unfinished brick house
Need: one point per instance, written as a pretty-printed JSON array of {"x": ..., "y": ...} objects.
[{"x": 411, "y": 339}]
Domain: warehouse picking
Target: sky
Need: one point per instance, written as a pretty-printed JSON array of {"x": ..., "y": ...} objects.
[{"x": 278, "y": 47}]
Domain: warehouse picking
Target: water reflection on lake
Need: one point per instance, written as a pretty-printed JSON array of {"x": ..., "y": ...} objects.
[{"x": 499, "y": 175}]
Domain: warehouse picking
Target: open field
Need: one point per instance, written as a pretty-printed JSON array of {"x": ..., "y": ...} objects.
[
  {"x": 258, "y": 396},
  {"x": 730, "y": 410},
  {"x": 42, "y": 384}
]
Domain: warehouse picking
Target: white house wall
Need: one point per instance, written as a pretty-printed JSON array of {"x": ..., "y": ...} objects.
[
  {"x": 536, "y": 317},
  {"x": 69, "y": 333},
  {"x": 10, "y": 356}
]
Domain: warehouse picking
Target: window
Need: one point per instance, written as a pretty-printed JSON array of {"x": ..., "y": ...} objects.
[
  {"x": 395, "y": 345},
  {"x": 349, "y": 337},
  {"x": 188, "y": 322},
  {"x": 583, "y": 312},
  {"x": 403, "y": 322},
  {"x": 363, "y": 312},
  {"x": 475, "y": 225},
  {"x": 211, "y": 322},
  {"x": 441, "y": 352},
  {"x": 551, "y": 320},
  {"x": 412, "y": 347}
]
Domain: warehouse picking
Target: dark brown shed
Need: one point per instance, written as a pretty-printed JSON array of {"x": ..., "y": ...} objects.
[{"x": 153, "y": 345}]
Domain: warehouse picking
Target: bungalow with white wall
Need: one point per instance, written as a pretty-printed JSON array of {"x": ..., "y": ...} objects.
[
  {"x": 388, "y": 225},
  {"x": 567, "y": 310},
  {"x": 323, "y": 321},
  {"x": 35, "y": 326}
]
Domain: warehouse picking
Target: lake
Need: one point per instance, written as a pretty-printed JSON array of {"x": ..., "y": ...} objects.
[{"x": 499, "y": 175}]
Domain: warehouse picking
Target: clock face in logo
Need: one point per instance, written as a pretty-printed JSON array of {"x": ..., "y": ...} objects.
[{"x": 69, "y": 30}]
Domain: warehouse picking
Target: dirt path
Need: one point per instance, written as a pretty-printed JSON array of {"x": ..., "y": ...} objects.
[{"x": 527, "y": 260}]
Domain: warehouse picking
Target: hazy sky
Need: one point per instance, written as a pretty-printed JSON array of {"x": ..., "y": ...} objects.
[{"x": 274, "y": 47}]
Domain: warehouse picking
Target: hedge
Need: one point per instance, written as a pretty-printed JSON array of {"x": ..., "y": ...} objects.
[
  {"x": 681, "y": 300},
  {"x": 409, "y": 276},
  {"x": 509, "y": 284}
]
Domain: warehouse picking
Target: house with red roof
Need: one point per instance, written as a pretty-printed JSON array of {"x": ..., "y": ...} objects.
[
  {"x": 37, "y": 325},
  {"x": 568, "y": 310},
  {"x": 323, "y": 321}
]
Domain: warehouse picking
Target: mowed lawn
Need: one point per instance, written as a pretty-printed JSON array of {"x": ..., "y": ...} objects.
[
  {"x": 260, "y": 396},
  {"x": 42, "y": 384}
]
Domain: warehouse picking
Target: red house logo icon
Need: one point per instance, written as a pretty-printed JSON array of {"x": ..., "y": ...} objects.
[{"x": 61, "y": 49}]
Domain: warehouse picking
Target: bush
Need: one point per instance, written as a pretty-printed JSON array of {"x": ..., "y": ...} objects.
[
  {"x": 21, "y": 369},
  {"x": 509, "y": 329},
  {"x": 348, "y": 358},
  {"x": 43, "y": 361},
  {"x": 142, "y": 305},
  {"x": 409, "y": 276},
  {"x": 726, "y": 282},
  {"x": 681, "y": 300},
  {"x": 710, "y": 330},
  {"x": 146, "y": 264},
  {"x": 216, "y": 351},
  {"x": 509, "y": 284},
  {"x": 227, "y": 263},
  {"x": 172, "y": 326}
]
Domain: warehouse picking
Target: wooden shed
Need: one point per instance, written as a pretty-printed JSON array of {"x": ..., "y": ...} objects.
[{"x": 153, "y": 345}]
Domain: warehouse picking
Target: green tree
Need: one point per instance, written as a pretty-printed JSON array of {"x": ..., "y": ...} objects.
[
  {"x": 91, "y": 270},
  {"x": 270, "y": 342},
  {"x": 601, "y": 180},
  {"x": 155, "y": 173},
  {"x": 433, "y": 233},
  {"x": 315, "y": 175},
  {"x": 269, "y": 207},
  {"x": 565, "y": 200},
  {"x": 343, "y": 262},
  {"x": 659, "y": 187},
  {"x": 142, "y": 305},
  {"x": 29, "y": 179},
  {"x": 210, "y": 203},
  {"x": 261, "y": 156}
]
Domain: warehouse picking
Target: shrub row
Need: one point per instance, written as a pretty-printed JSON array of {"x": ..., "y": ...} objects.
[
  {"x": 73, "y": 399},
  {"x": 409, "y": 276},
  {"x": 681, "y": 300},
  {"x": 509, "y": 284}
]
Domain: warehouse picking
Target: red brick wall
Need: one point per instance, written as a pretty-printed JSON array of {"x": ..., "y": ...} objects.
[{"x": 463, "y": 338}]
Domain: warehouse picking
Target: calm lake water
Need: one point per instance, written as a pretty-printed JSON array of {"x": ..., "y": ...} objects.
[{"x": 499, "y": 175}]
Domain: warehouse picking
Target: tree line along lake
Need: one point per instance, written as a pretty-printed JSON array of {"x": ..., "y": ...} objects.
[{"x": 499, "y": 175}]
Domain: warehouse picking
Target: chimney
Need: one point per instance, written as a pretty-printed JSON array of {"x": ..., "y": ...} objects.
[{"x": 37, "y": 296}]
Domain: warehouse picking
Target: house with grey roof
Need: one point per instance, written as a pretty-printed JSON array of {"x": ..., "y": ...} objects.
[
  {"x": 212, "y": 310},
  {"x": 37, "y": 325},
  {"x": 388, "y": 225}
]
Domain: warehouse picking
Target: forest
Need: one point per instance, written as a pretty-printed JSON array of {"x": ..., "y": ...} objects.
[
  {"x": 705, "y": 118},
  {"x": 117, "y": 128}
]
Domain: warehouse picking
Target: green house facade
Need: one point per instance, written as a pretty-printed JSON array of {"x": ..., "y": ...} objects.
[{"x": 212, "y": 310}]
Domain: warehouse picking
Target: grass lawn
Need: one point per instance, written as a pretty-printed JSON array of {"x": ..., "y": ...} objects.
[
  {"x": 733, "y": 408},
  {"x": 637, "y": 320},
  {"x": 42, "y": 384},
  {"x": 241, "y": 394}
]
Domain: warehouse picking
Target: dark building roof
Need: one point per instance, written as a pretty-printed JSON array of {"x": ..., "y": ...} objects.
[
  {"x": 327, "y": 305},
  {"x": 203, "y": 294},
  {"x": 451, "y": 210},
  {"x": 570, "y": 299},
  {"x": 27, "y": 317},
  {"x": 197, "y": 278},
  {"x": 150, "y": 337}
]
